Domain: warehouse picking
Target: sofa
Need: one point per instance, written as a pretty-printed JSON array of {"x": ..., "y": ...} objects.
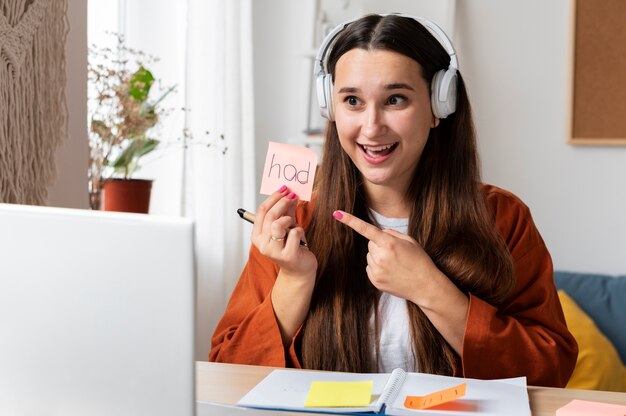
[{"x": 595, "y": 311}]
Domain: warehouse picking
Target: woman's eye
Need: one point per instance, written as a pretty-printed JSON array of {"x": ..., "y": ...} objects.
[
  {"x": 396, "y": 99},
  {"x": 352, "y": 100}
]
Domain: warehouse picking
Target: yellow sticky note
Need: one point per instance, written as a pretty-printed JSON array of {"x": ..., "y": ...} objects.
[
  {"x": 339, "y": 394},
  {"x": 436, "y": 398},
  {"x": 294, "y": 166}
]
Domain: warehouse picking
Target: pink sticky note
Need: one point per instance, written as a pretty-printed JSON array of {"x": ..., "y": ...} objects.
[
  {"x": 289, "y": 165},
  {"x": 586, "y": 408}
]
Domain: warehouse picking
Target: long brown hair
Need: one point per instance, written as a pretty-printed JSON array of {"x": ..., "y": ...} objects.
[{"x": 449, "y": 219}]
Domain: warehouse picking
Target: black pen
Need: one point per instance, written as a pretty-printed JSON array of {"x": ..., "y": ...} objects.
[{"x": 248, "y": 216}]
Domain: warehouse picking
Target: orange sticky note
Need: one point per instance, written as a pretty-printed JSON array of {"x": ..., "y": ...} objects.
[
  {"x": 293, "y": 166},
  {"x": 339, "y": 394},
  {"x": 436, "y": 398},
  {"x": 586, "y": 408}
]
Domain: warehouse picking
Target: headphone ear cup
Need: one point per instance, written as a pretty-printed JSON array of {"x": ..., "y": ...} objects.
[
  {"x": 443, "y": 93},
  {"x": 328, "y": 87},
  {"x": 324, "y": 87}
]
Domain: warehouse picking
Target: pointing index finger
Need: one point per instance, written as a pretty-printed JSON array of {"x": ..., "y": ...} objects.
[{"x": 367, "y": 230}]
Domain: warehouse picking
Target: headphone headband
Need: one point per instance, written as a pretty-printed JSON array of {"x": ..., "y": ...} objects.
[
  {"x": 444, "y": 82},
  {"x": 320, "y": 65}
]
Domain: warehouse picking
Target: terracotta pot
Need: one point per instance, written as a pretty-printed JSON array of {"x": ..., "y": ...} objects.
[{"x": 126, "y": 195}]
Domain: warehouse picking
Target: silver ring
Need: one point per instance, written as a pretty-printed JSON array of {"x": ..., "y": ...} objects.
[{"x": 279, "y": 239}]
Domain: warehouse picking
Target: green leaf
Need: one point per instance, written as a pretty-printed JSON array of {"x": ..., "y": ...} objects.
[
  {"x": 131, "y": 169},
  {"x": 124, "y": 158},
  {"x": 146, "y": 147},
  {"x": 126, "y": 171},
  {"x": 165, "y": 94},
  {"x": 140, "y": 84},
  {"x": 126, "y": 162}
]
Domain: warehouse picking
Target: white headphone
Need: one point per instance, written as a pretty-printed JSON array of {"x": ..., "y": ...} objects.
[{"x": 443, "y": 85}]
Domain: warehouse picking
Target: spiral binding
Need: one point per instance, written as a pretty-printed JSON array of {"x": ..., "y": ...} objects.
[{"x": 392, "y": 388}]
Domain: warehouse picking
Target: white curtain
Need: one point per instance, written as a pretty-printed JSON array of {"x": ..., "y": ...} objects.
[
  {"x": 205, "y": 49},
  {"x": 220, "y": 178}
]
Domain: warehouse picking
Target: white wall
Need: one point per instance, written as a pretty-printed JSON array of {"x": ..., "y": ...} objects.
[
  {"x": 70, "y": 187},
  {"x": 282, "y": 36},
  {"x": 515, "y": 57}
]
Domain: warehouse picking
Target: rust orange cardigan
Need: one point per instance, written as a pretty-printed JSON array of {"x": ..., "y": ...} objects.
[{"x": 525, "y": 336}]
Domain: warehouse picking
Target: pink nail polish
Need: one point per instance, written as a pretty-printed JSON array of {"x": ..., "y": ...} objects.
[
  {"x": 292, "y": 195},
  {"x": 282, "y": 189},
  {"x": 338, "y": 215}
]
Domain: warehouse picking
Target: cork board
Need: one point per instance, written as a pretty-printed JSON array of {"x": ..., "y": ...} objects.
[{"x": 599, "y": 73}]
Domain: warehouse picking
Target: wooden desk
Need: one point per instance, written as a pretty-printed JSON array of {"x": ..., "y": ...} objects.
[{"x": 227, "y": 383}]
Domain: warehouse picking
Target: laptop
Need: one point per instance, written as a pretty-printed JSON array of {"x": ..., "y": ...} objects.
[{"x": 96, "y": 313}]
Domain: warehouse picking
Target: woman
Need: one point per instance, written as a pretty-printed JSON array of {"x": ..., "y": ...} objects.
[{"x": 411, "y": 261}]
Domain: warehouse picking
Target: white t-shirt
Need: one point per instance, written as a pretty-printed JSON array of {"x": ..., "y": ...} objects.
[{"x": 396, "y": 350}]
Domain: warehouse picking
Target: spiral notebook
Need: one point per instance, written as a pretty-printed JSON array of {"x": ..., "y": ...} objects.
[{"x": 288, "y": 390}]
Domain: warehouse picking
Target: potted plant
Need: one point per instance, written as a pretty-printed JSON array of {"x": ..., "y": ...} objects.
[{"x": 122, "y": 116}]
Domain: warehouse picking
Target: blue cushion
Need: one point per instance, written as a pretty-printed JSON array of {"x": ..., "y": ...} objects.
[{"x": 603, "y": 298}]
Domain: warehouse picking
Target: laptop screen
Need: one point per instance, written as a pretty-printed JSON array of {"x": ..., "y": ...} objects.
[{"x": 96, "y": 313}]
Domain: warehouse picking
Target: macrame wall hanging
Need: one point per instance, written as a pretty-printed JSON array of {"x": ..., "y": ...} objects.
[{"x": 33, "y": 113}]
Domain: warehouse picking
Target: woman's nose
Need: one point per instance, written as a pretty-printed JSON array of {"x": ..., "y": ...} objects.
[{"x": 374, "y": 123}]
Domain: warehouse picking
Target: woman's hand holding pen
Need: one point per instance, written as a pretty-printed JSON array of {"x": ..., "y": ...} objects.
[{"x": 277, "y": 236}]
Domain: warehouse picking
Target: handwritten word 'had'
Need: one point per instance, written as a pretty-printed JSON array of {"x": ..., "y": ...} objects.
[{"x": 290, "y": 172}]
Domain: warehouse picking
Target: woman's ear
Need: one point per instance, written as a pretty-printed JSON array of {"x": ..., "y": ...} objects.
[{"x": 435, "y": 122}]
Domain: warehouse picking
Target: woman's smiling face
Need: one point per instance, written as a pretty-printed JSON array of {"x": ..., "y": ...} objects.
[{"x": 383, "y": 114}]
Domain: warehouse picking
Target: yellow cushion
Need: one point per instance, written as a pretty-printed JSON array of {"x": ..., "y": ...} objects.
[{"x": 598, "y": 366}]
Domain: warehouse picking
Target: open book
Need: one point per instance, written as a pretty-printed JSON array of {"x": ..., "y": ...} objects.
[{"x": 288, "y": 390}]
